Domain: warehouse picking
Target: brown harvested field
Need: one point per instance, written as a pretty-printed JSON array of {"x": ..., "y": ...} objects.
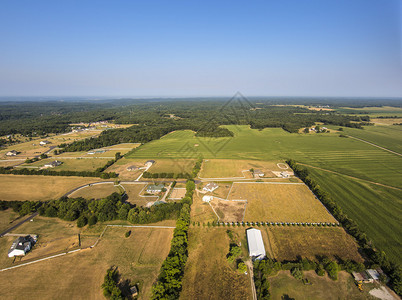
[
  {"x": 286, "y": 243},
  {"x": 38, "y": 188},
  {"x": 229, "y": 211},
  {"x": 80, "y": 275},
  {"x": 133, "y": 192},
  {"x": 96, "y": 191},
  {"x": 71, "y": 164},
  {"x": 7, "y": 218},
  {"x": 120, "y": 167},
  {"x": 207, "y": 274},
  {"x": 226, "y": 168},
  {"x": 280, "y": 202},
  {"x": 321, "y": 287},
  {"x": 386, "y": 122},
  {"x": 177, "y": 193}
]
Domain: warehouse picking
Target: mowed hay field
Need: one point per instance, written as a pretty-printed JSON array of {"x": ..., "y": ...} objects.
[
  {"x": 376, "y": 209},
  {"x": 207, "y": 274},
  {"x": 39, "y": 188},
  {"x": 96, "y": 191},
  {"x": 289, "y": 242},
  {"x": 321, "y": 287},
  {"x": 72, "y": 164},
  {"x": 172, "y": 166},
  {"x": 80, "y": 275},
  {"x": 225, "y": 168},
  {"x": 279, "y": 202},
  {"x": 7, "y": 218},
  {"x": 229, "y": 211}
]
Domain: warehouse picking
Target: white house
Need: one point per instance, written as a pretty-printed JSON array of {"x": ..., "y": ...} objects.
[
  {"x": 256, "y": 247},
  {"x": 43, "y": 143},
  {"x": 210, "y": 187},
  {"x": 207, "y": 198},
  {"x": 12, "y": 153},
  {"x": 21, "y": 246},
  {"x": 52, "y": 164}
]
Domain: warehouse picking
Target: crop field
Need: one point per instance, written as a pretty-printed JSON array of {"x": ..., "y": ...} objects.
[
  {"x": 72, "y": 164},
  {"x": 133, "y": 192},
  {"x": 97, "y": 191},
  {"x": 172, "y": 166},
  {"x": 38, "y": 188},
  {"x": 386, "y": 122},
  {"x": 229, "y": 211},
  {"x": 376, "y": 209},
  {"x": 207, "y": 274},
  {"x": 225, "y": 168},
  {"x": 287, "y": 242},
  {"x": 285, "y": 285},
  {"x": 372, "y": 111},
  {"x": 280, "y": 202},
  {"x": 82, "y": 273}
]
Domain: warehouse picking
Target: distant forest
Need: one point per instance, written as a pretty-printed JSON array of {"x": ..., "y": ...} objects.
[{"x": 157, "y": 117}]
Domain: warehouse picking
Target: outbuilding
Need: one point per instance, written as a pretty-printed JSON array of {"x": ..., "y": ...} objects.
[
  {"x": 207, "y": 198},
  {"x": 155, "y": 188},
  {"x": 53, "y": 164},
  {"x": 256, "y": 247},
  {"x": 43, "y": 143},
  {"x": 12, "y": 153}
]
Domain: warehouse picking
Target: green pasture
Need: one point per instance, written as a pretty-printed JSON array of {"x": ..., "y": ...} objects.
[
  {"x": 326, "y": 150},
  {"x": 376, "y": 209},
  {"x": 372, "y": 111}
]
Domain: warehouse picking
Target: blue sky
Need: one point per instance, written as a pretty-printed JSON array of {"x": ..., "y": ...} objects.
[{"x": 201, "y": 48}]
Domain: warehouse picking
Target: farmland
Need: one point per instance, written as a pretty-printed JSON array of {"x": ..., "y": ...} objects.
[
  {"x": 375, "y": 208},
  {"x": 284, "y": 285},
  {"x": 38, "y": 188},
  {"x": 287, "y": 243},
  {"x": 137, "y": 258},
  {"x": 279, "y": 202},
  {"x": 134, "y": 197},
  {"x": 7, "y": 216},
  {"x": 72, "y": 164},
  {"x": 207, "y": 274},
  {"x": 96, "y": 191}
]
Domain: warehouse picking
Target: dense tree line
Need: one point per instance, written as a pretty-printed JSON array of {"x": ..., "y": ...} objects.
[
  {"x": 169, "y": 283},
  {"x": 379, "y": 257},
  {"x": 47, "y": 172},
  {"x": 110, "y": 285}
]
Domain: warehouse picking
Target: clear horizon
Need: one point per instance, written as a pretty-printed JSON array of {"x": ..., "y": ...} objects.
[{"x": 173, "y": 49}]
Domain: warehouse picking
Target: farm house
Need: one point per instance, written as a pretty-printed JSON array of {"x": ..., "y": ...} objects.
[
  {"x": 210, "y": 187},
  {"x": 256, "y": 247},
  {"x": 155, "y": 188},
  {"x": 21, "y": 246}
]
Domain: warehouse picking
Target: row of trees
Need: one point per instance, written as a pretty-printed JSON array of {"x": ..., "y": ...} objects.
[
  {"x": 110, "y": 285},
  {"x": 47, "y": 172},
  {"x": 169, "y": 282},
  {"x": 393, "y": 269}
]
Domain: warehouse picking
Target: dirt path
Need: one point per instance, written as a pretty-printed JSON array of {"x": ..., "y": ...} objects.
[
  {"x": 372, "y": 144},
  {"x": 249, "y": 265},
  {"x": 356, "y": 178}
]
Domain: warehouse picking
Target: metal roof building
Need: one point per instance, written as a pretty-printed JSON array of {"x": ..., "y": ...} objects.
[{"x": 255, "y": 243}]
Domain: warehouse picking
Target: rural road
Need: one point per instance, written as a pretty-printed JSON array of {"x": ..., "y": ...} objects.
[
  {"x": 249, "y": 265},
  {"x": 19, "y": 224}
]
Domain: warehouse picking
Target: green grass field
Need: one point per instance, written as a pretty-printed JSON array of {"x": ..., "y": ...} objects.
[
  {"x": 75, "y": 164},
  {"x": 372, "y": 111},
  {"x": 376, "y": 209}
]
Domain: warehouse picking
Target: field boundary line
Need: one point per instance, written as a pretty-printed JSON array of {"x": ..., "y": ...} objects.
[
  {"x": 372, "y": 144},
  {"x": 356, "y": 178}
]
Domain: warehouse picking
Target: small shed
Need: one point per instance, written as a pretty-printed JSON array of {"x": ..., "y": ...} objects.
[
  {"x": 255, "y": 242},
  {"x": 12, "y": 153},
  {"x": 149, "y": 163},
  {"x": 373, "y": 274},
  {"x": 42, "y": 143},
  {"x": 134, "y": 291},
  {"x": 285, "y": 174},
  {"x": 210, "y": 187}
]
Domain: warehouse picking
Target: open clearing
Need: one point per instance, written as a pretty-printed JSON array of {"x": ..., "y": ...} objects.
[
  {"x": 287, "y": 243},
  {"x": 177, "y": 193},
  {"x": 137, "y": 258},
  {"x": 38, "y": 188},
  {"x": 172, "y": 166},
  {"x": 6, "y": 218},
  {"x": 225, "y": 168},
  {"x": 229, "y": 211},
  {"x": 285, "y": 286},
  {"x": 97, "y": 191},
  {"x": 282, "y": 202},
  {"x": 72, "y": 164},
  {"x": 207, "y": 274},
  {"x": 134, "y": 197}
]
